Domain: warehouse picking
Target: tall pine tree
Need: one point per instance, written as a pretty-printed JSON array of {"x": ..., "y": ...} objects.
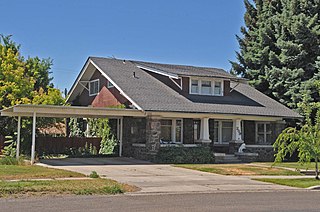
[{"x": 280, "y": 48}]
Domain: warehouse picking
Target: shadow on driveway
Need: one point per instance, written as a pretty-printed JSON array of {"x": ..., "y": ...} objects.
[{"x": 94, "y": 161}]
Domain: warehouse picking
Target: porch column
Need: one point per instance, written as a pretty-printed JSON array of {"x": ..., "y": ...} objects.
[
  {"x": 204, "y": 131},
  {"x": 33, "y": 146},
  {"x": 237, "y": 130},
  {"x": 173, "y": 131},
  {"x": 153, "y": 131},
  {"x": 18, "y": 138},
  {"x": 120, "y": 135}
]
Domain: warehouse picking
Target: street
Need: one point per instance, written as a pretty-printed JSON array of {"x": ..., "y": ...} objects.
[{"x": 237, "y": 201}]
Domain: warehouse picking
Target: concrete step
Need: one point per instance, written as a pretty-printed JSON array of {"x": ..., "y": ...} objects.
[{"x": 226, "y": 158}]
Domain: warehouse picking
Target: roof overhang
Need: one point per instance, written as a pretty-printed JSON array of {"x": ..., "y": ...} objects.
[
  {"x": 68, "y": 111},
  {"x": 169, "y": 114}
]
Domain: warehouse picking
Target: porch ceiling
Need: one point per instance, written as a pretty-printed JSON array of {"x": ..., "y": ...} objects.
[{"x": 68, "y": 111}]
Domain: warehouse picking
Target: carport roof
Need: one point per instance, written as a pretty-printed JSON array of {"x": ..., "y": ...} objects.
[{"x": 68, "y": 111}]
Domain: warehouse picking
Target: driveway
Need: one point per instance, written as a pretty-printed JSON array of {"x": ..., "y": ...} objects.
[{"x": 155, "y": 178}]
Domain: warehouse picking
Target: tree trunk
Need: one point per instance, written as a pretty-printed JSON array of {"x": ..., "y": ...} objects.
[{"x": 317, "y": 170}]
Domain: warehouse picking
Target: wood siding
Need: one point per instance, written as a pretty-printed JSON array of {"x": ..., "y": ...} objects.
[
  {"x": 107, "y": 96},
  {"x": 226, "y": 87}
]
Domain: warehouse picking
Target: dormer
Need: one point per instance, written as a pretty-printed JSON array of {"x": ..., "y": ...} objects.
[{"x": 206, "y": 86}]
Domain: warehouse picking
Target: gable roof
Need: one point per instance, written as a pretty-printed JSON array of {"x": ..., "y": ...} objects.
[{"x": 151, "y": 94}]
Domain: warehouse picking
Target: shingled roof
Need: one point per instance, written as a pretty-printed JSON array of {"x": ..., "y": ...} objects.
[{"x": 151, "y": 94}]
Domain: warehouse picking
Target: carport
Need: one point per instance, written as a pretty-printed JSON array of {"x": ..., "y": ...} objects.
[{"x": 51, "y": 111}]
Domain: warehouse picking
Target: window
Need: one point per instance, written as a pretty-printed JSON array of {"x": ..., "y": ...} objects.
[
  {"x": 94, "y": 87},
  {"x": 166, "y": 126},
  {"x": 206, "y": 87},
  {"x": 217, "y": 88},
  {"x": 223, "y": 131},
  {"x": 194, "y": 86},
  {"x": 263, "y": 133},
  {"x": 171, "y": 131},
  {"x": 196, "y": 129},
  {"x": 110, "y": 85},
  {"x": 227, "y": 127},
  {"x": 178, "y": 131}
]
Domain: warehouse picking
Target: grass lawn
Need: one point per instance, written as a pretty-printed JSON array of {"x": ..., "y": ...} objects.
[
  {"x": 295, "y": 165},
  {"x": 58, "y": 187},
  {"x": 299, "y": 182},
  {"x": 238, "y": 169},
  {"x": 17, "y": 172}
]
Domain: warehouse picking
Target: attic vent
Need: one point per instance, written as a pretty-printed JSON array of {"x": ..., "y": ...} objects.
[{"x": 134, "y": 75}]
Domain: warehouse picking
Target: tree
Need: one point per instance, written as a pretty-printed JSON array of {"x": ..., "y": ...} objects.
[
  {"x": 280, "y": 48},
  {"x": 24, "y": 82},
  {"x": 305, "y": 139}
]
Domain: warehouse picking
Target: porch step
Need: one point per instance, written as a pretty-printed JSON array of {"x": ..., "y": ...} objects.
[{"x": 226, "y": 158}]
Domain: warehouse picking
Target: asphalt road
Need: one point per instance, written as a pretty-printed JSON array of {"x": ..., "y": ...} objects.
[{"x": 237, "y": 201}]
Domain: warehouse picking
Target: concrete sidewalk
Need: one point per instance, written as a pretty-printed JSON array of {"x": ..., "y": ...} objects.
[{"x": 154, "y": 178}]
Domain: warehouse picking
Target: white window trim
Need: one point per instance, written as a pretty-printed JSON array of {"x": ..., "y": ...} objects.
[
  {"x": 264, "y": 132},
  {"x": 173, "y": 129},
  {"x": 94, "y": 94},
  {"x": 109, "y": 84},
  {"x": 212, "y": 85},
  {"x": 220, "y": 131}
]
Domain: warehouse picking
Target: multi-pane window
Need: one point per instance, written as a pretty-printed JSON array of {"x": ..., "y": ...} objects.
[
  {"x": 222, "y": 131},
  {"x": 94, "y": 87},
  {"x": 217, "y": 88},
  {"x": 206, "y": 87},
  {"x": 194, "y": 86},
  {"x": 263, "y": 133},
  {"x": 171, "y": 130}
]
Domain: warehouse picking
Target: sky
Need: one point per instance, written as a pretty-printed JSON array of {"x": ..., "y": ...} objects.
[{"x": 188, "y": 32}]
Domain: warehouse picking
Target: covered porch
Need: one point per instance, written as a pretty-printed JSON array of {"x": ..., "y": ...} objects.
[{"x": 222, "y": 132}]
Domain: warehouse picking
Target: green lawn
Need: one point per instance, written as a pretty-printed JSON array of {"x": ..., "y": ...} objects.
[
  {"x": 14, "y": 172},
  {"x": 58, "y": 187},
  {"x": 295, "y": 165},
  {"x": 299, "y": 182},
  {"x": 238, "y": 169}
]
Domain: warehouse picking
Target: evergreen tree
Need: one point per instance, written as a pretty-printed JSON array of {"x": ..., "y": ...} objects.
[{"x": 280, "y": 48}]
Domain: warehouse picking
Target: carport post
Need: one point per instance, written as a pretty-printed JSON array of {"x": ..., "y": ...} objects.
[
  {"x": 18, "y": 138},
  {"x": 33, "y": 146},
  {"x": 120, "y": 145}
]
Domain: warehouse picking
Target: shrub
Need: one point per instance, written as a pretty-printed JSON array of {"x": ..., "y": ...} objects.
[
  {"x": 180, "y": 155},
  {"x": 87, "y": 150},
  {"x": 10, "y": 148},
  {"x": 7, "y": 160},
  {"x": 94, "y": 174}
]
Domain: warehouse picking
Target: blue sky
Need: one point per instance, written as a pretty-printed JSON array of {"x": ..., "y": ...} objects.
[{"x": 166, "y": 31}]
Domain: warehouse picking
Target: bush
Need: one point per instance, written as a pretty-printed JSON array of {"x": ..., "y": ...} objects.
[
  {"x": 7, "y": 160},
  {"x": 94, "y": 174},
  {"x": 180, "y": 155},
  {"x": 87, "y": 150}
]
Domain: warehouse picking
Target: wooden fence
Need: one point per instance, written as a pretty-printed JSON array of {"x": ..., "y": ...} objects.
[{"x": 59, "y": 145}]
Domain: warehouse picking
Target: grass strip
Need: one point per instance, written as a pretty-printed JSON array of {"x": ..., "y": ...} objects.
[
  {"x": 238, "y": 169},
  {"x": 298, "y": 182},
  {"x": 19, "y": 172},
  {"x": 57, "y": 187}
]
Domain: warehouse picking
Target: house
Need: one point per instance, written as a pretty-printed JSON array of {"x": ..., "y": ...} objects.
[{"x": 182, "y": 106}]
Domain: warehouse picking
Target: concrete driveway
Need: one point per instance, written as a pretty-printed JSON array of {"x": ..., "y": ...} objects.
[{"x": 155, "y": 178}]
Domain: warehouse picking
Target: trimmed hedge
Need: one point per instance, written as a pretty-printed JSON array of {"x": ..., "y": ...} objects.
[{"x": 178, "y": 155}]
